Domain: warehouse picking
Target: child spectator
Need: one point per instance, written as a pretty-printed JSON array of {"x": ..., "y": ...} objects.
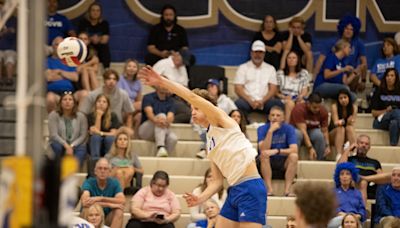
[
  {"x": 351, "y": 221},
  {"x": 88, "y": 69},
  {"x": 211, "y": 211},
  {"x": 238, "y": 116},
  {"x": 94, "y": 215}
]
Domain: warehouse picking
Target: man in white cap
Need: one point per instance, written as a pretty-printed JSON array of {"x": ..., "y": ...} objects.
[{"x": 255, "y": 83}]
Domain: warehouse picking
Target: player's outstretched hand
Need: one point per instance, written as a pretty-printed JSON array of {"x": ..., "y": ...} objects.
[
  {"x": 191, "y": 199},
  {"x": 149, "y": 77}
]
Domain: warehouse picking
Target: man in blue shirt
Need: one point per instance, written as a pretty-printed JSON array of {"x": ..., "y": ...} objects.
[
  {"x": 105, "y": 191},
  {"x": 388, "y": 201},
  {"x": 277, "y": 144},
  {"x": 158, "y": 112},
  {"x": 57, "y": 24}
]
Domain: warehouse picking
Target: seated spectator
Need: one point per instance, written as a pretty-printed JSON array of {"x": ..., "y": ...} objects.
[
  {"x": 155, "y": 205},
  {"x": 103, "y": 126},
  {"x": 387, "y": 202},
  {"x": 349, "y": 29},
  {"x": 344, "y": 115},
  {"x": 197, "y": 213},
  {"x": 94, "y": 215},
  {"x": 129, "y": 82},
  {"x": 385, "y": 105},
  {"x": 60, "y": 78},
  {"x": 8, "y": 54},
  {"x": 174, "y": 69},
  {"x": 119, "y": 100},
  {"x": 299, "y": 41},
  {"x": 312, "y": 196},
  {"x": 88, "y": 69},
  {"x": 334, "y": 74},
  {"x": 158, "y": 113},
  {"x": 291, "y": 222},
  {"x": 99, "y": 32},
  {"x": 106, "y": 192},
  {"x": 293, "y": 83},
  {"x": 57, "y": 24},
  {"x": 366, "y": 166},
  {"x": 255, "y": 83},
  {"x": 238, "y": 116},
  {"x": 390, "y": 59},
  {"x": 168, "y": 36},
  {"x": 278, "y": 149},
  {"x": 211, "y": 211},
  {"x": 351, "y": 221},
  {"x": 124, "y": 162},
  {"x": 348, "y": 197},
  {"x": 272, "y": 39},
  {"x": 68, "y": 129},
  {"x": 311, "y": 122}
]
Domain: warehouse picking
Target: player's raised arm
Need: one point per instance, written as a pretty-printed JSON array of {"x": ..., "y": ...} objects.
[{"x": 215, "y": 116}]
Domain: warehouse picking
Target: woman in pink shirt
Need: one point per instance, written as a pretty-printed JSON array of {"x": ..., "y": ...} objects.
[{"x": 155, "y": 205}]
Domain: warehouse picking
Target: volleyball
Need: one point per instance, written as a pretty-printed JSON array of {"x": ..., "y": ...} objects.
[{"x": 72, "y": 51}]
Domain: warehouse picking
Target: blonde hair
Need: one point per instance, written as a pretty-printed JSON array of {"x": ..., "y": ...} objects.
[
  {"x": 340, "y": 45},
  {"x": 85, "y": 213},
  {"x": 114, "y": 150},
  {"x": 107, "y": 114},
  {"x": 126, "y": 64},
  {"x": 206, "y": 95}
]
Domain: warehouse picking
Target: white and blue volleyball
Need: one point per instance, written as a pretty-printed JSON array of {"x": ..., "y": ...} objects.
[{"x": 72, "y": 51}]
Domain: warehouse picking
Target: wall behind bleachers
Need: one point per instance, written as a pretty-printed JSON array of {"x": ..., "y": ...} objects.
[{"x": 224, "y": 40}]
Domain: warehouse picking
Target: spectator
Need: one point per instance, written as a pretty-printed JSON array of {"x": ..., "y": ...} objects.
[
  {"x": 99, "y": 32},
  {"x": 385, "y": 105},
  {"x": 272, "y": 39},
  {"x": 334, "y": 74},
  {"x": 350, "y": 221},
  {"x": 132, "y": 85},
  {"x": 223, "y": 102},
  {"x": 344, "y": 115},
  {"x": 278, "y": 149},
  {"x": 57, "y": 24},
  {"x": 168, "y": 36},
  {"x": 390, "y": 59},
  {"x": 255, "y": 83},
  {"x": 103, "y": 125},
  {"x": 299, "y": 41},
  {"x": 94, "y": 215},
  {"x": 312, "y": 196},
  {"x": 349, "y": 30},
  {"x": 155, "y": 205},
  {"x": 119, "y": 100},
  {"x": 291, "y": 222},
  {"x": 238, "y": 116},
  {"x": 292, "y": 82},
  {"x": 211, "y": 211},
  {"x": 68, "y": 129},
  {"x": 124, "y": 162},
  {"x": 8, "y": 54},
  {"x": 174, "y": 69},
  {"x": 197, "y": 213},
  {"x": 349, "y": 198},
  {"x": 365, "y": 165},
  {"x": 311, "y": 121},
  {"x": 60, "y": 78},
  {"x": 105, "y": 191},
  {"x": 158, "y": 113},
  {"x": 387, "y": 200},
  {"x": 88, "y": 69}
]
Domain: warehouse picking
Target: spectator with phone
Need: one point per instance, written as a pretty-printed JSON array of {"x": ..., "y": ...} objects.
[
  {"x": 155, "y": 205},
  {"x": 385, "y": 103}
]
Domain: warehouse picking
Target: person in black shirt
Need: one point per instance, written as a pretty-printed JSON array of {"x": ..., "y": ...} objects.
[
  {"x": 385, "y": 105},
  {"x": 99, "y": 32},
  {"x": 298, "y": 40},
  {"x": 168, "y": 36},
  {"x": 366, "y": 166},
  {"x": 272, "y": 39}
]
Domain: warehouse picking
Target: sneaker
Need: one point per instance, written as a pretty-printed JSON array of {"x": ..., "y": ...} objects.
[
  {"x": 162, "y": 152},
  {"x": 201, "y": 154}
]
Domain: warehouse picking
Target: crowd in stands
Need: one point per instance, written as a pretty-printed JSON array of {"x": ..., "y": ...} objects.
[{"x": 100, "y": 120}]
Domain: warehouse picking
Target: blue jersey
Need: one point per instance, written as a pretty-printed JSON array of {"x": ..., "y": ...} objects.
[
  {"x": 58, "y": 25},
  {"x": 357, "y": 50},
  {"x": 64, "y": 84},
  {"x": 381, "y": 65},
  {"x": 332, "y": 62},
  {"x": 282, "y": 138}
]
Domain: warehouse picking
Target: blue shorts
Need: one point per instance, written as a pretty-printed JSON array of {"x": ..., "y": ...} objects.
[{"x": 246, "y": 202}]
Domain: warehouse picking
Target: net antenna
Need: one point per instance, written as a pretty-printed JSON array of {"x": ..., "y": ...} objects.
[{"x": 7, "y": 10}]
